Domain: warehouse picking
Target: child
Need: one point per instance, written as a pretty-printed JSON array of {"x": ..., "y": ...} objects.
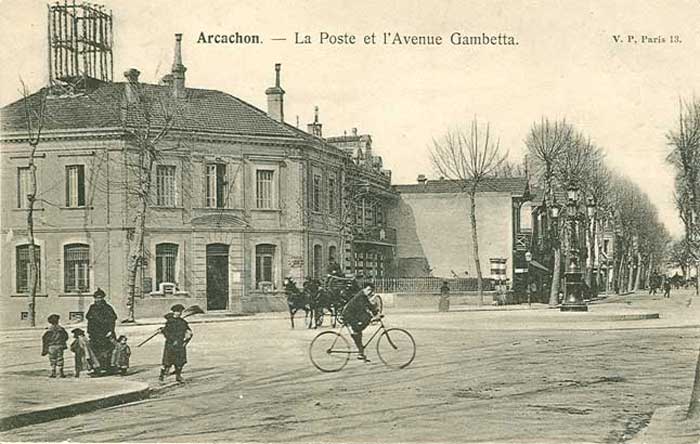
[
  {"x": 177, "y": 334},
  {"x": 79, "y": 347},
  {"x": 121, "y": 355},
  {"x": 53, "y": 343}
]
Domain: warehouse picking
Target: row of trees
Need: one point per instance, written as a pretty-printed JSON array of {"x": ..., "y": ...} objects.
[
  {"x": 563, "y": 157},
  {"x": 684, "y": 157}
]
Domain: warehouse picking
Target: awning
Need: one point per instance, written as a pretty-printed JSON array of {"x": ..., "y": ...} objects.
[{"x": 539, "y": 266}]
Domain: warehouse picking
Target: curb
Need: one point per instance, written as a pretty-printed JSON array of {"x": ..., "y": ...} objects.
[
  {"x": 66, "y": 410},
  {"x": 669, "y": 426}
]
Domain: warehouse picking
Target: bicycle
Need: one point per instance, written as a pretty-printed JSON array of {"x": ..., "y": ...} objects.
[{"x": 330, "y": 350}]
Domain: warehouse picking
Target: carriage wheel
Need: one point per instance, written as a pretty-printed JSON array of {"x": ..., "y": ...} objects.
[{"x": 318, "y": 315}]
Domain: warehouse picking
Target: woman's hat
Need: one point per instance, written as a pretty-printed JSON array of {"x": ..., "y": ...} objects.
[
  {"x": 53, "y": 319},
  {"x": 78, "y": 331},
  {"x": 99, "y": 294},
  {"x": 178, "y": 308}
]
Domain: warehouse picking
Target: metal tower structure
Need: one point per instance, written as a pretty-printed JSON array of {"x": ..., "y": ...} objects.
[{"x": 80, "y": 45}]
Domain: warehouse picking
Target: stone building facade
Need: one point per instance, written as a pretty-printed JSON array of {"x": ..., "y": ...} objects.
[
  {"x": 239, "y": 199},
  {"x": 434, "y": 235}
]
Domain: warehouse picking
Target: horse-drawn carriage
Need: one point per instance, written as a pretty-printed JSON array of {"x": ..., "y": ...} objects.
[{"x": 322, "y": 300}]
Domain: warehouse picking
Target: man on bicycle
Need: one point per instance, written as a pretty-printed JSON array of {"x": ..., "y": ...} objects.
[{"x": 358, "y": 313}]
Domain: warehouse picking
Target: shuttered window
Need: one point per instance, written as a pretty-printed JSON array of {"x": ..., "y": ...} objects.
[
  {"x": 166, "y": 260},
  {"x": 75, "y": 186},
  {"x": 23, "y": 269},
  {"x": 76, "y": 268}
]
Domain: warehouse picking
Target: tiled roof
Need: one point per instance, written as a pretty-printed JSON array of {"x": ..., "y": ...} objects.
[
  {"x": 202, "y": 110},
  {"x": 513, "y": 185}
]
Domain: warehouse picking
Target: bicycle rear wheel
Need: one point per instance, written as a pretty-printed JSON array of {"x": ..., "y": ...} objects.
[
  {"x": 396, "y": 348},
  {"x": 329, "y": 351}
]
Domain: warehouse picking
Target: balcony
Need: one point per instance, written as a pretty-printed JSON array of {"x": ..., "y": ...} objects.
[{"x": 379, "y": 235}]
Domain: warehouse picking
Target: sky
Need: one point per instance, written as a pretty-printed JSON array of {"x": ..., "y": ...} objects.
[{"x": 566, "y": 64}]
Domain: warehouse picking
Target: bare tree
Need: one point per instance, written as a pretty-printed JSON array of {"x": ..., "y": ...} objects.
[
  {"x": 685, "y": 158},
  {"x": 34, "y": 117},
  {"x": 546, "y": 143},
  {"x": 466, "y": 157},
  {"x": 152, "y": 111}
]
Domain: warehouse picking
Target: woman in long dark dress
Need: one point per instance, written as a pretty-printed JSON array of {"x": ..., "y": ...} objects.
[{"x": 101, "y": 319}]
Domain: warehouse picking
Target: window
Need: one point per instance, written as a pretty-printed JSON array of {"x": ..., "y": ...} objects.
[
  {"x": 332, "y": 254},
  {"x": 23, "y": 185},
  {"x": 332, "y": 200},
  {"x": 380, "y": 215},
  {"x": 606, "y": 246},
  {"x": 76, "y": 268},
  {"x": 23, "y": 267},
  {"x": 318, "y": 262},
  {"x": 165, "y": 186},
  {"x": 264, "y": 260},
  {"x": 216, "y": 180},
  {"x": 316, "y": 194},
  {"x": 77, "y": 316},
  {"x": 75, "y": 186},
  {"x": 166, "y": 259},
  {"x": 264, "y": 188}
]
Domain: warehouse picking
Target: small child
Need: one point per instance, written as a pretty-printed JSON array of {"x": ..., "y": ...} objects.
[
  {"x": 121, "y": 355},
  {"x": 79, "y": 347},
  {"x": 53, "y": 343}
]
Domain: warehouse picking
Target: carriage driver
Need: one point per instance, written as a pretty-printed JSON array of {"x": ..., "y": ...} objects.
[{"x": 358, "y": 313}]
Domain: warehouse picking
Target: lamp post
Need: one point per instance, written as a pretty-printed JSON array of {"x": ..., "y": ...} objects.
[
  {"x": 591, "y": 213},
  {"x": 573, "y": 275},
  {"x": 528, "y": 259}
]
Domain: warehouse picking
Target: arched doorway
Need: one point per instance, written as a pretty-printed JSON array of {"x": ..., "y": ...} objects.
[{"x": 217, "y": 276}]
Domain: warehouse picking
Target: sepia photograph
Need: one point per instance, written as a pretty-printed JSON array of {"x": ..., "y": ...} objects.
[{"x": 280, "y": 221}]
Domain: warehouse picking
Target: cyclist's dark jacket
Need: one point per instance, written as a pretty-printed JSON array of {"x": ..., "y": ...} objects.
[{"x": 358, "y": 311}]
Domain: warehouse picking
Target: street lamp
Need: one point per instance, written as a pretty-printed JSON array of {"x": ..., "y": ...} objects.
[
  {"x": 528, "y": 259},
  {"x": 572, "y": 275},
  {"x": 591, "y": 212}
]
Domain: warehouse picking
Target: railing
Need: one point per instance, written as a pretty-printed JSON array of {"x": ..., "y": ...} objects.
[
  {"x": 377, "y": 234},
  {"x": 522, "y": 241},
  {"x": 428, "y": 284}
]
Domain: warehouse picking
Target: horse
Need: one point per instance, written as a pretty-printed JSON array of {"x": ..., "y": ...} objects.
[{"x": 297, "y": 300}]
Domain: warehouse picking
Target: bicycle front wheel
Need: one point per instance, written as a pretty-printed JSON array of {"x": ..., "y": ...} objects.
[
  {"x": 329, "y": 351},
  {"x": 396, "y": 348}
]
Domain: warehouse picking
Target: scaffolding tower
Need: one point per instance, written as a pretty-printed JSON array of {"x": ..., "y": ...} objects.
[{"x": 80, "y": 45}]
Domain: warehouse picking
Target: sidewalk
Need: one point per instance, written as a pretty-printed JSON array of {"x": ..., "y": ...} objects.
[{"x": 49, "y": 399}]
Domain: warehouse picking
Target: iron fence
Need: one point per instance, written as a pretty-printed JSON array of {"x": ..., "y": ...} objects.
[{"x": 428, "y": 284}]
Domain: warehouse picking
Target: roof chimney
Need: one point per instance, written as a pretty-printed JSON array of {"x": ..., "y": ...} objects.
[
  {"x": 422, "y": 179},
  {"x": 132, "y": 94},
  {"x": 178, "y": 69},
  {"x": 316, "y": 127},
  {"x": 275, "y": 97}
]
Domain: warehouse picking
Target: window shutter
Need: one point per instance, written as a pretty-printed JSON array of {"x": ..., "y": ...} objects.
[{"x": 81, "y": 185}]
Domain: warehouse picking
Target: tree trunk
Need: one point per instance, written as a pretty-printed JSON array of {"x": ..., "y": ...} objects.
[
  {"x": 33, "y": 266},
  {"x": 621, "y": 275},
  {"x": 475, "y": 242},
  {"x": 556, "y": 272},
  {"x": 147, "y": 159},
  {"x": 637, "y": 278},
  {"x": 694, "y": 406}
]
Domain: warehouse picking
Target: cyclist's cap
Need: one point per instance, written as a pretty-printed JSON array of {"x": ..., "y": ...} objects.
[{"x": 368, "y": 284}]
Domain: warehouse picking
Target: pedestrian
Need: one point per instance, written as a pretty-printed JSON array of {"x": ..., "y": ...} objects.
[
  {"x": 177, "y": 334},
  {"x": 81, "y": 352},
  {"x": 357, "y": 314},
  {"x": 101, "y": 319},
  {"x": 53, "y": 343},
  {"x": 121, "y": 355},
  {"x": 444, "y": 304},
  {"x": 667, "y": 288}
]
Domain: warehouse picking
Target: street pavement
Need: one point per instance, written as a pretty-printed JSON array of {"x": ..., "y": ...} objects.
[{"x": 525, "y": 375}]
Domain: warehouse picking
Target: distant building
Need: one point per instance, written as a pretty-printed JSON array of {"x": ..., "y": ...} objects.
[{"x": 434, "y": 235}]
